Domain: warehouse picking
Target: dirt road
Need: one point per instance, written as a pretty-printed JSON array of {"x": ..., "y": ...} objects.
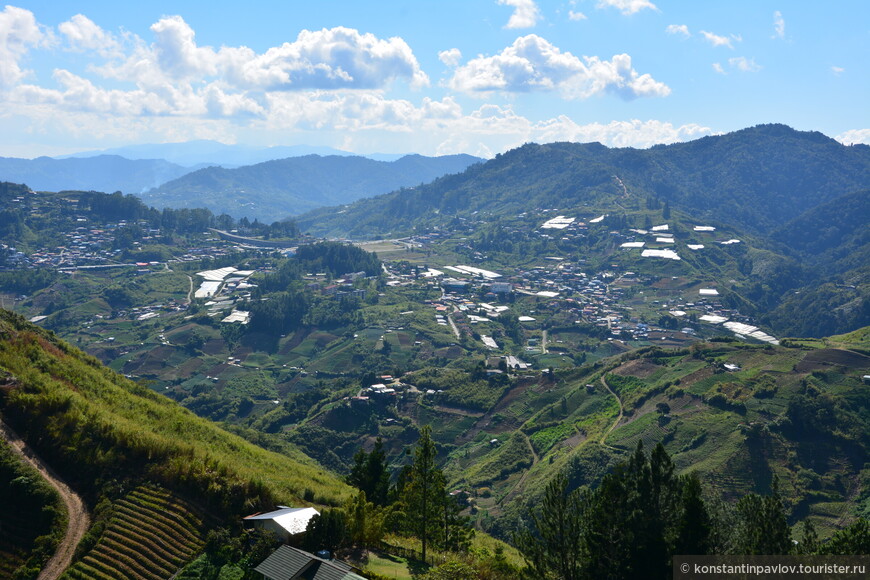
[
  {"x": 618, "y": 418},
  {"x": 79, "y": 520}
]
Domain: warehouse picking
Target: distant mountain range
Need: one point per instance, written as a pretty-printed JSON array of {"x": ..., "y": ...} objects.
[
  {"x": 757, "y": 179},
  {"x": 275, "y": 189},
  {"x": 282, "y": 181},
  {"x": 106, "y": 173},
  {"x": 204, "y": 153}
]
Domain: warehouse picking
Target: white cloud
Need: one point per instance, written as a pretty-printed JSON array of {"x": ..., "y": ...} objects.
[
  {"x": 177, "y": 53},
  {"x": 18, "y": 33},
  {"x": 680, "y": 29},
  {"x": 854, "y": 136},
  {"x": 744, "y": 64},
  {"x": 526, "y": 13},
  {"x": 83, "y": 34},
  {"x": 533, "y": 64},
  {"x": 634, "y": 133},
  {"x": 329, "y": 59},
  {"x": 837, "y": 70},
  {"x": 717, "y": 40},
  {"x": 450, "y": 57},
  {"x": 576, "y": 16},
  {"x": 718, "y": 68},
  {"x": 778, "y": 25},
  {"x": 627, "y": 7}
]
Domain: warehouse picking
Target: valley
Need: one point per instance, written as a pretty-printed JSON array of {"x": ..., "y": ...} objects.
[{"x": 537, "y": 339}]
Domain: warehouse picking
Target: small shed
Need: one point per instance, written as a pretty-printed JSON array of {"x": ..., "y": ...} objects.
[{"x": 283, "y": 522}]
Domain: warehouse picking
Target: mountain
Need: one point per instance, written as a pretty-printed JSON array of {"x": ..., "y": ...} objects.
[
  {"x": 758, "y": 179},
  {"x": 204, "y": 152},
  {"x": 833, "y": 243},
  {"x": 101, "y": 173},
  {"x": 276, "y": 189}
]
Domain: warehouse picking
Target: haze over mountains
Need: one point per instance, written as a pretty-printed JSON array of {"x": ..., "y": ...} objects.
[
  {"x": 283, "y": 181},
  {"x": 284, "y": 187}
]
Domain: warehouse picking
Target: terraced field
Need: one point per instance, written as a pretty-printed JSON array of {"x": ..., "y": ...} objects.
[{"x": 150, "y": 536}]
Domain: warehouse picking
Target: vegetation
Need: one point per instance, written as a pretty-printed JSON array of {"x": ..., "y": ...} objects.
[
  {"x": 32, "y": 518},
  {"x": 87, "y": 422},
  {"x": 147, "y": 534},
  {"x": 642, "y": 514}
]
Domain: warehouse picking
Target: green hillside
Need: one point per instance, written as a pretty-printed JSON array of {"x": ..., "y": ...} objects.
[
  {"x": 757, "y": 179},
  {"x": 797, "y": 413},
  {"x": 101, "y": 431}
]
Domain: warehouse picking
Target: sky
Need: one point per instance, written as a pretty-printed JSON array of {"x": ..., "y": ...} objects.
[{"x": 433, "y": 77}]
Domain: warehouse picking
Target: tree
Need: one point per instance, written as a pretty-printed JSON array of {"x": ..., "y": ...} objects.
[
  {"x": 694, "y": 524},
  {"x": 369, "y": 473},
  {"x": 425, "y": 494},
  {"x": 553, "y": 547},
  {"x": 327, "y": 531},
  {"x": 854, "y": 539},
  {"x": 762, "y": 525},
  {"x": 365, "y": 522}
]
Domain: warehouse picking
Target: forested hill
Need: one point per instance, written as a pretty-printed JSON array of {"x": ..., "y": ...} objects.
[
  {"x": 758, "y": 178},
  {"x": 285, "y": 187}
]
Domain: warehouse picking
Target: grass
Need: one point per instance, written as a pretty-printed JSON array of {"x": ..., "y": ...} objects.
[{"x": 91, "y": 421}]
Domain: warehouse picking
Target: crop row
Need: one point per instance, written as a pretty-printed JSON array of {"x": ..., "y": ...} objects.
[
  {"x": 161, "y": 520},
  {"x": 164, "y": 501},
  {"x": 150, "y": 536}
]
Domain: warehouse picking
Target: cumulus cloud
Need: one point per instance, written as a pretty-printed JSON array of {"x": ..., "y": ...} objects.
[
  {"x": 533, "y": 64},
  {"x": 328, "y": 59},
  {"x": 82, "y": 34},
  {"x": 837, "y": 70},
  {"x": 744, "y": 64},
  {"x": 778, "y": 25},
  {"x": 450, "y": 57},
  {"x": 627, "y": 7},
  {"x": 681, "y": 29},
  {"x": 576, "y": 16},
  {"x": 526, "y": 13},
  {"x": 18, "y": 33},
  {"x": 717, "y": 40},
  {"x": 854, "y": 136},
  {"x": 718, "y": 68}
]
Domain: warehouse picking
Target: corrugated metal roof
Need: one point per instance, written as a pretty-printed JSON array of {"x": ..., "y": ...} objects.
[{"x": 288, "y": 563}]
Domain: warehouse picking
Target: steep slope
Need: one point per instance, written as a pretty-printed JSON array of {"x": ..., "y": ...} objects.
[
  {"x": 833, "y": 243},
  {"x": 100, "y": 173},
  {"x": 283, "y": 187},
  {"x": 795, "y": 413},
  {"x": 99, "y": 430},
  {"x": 758, "y": 178}
]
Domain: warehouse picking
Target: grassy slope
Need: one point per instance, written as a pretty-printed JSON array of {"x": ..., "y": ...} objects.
[
  {"x": 95, "y": 425},
  {"x": 738, "y": 440}
]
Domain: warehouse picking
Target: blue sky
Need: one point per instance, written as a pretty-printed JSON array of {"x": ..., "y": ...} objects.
[{"x": 425, "y": 76}]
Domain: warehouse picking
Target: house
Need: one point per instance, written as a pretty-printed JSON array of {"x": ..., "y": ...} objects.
[
  {"x": 283, "y": 522},
  {"x": 287, "y": 563}
]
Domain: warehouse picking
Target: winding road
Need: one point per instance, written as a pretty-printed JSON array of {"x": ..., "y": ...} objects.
[
  {"x": 618, "y": 419},
  {"x": 79, "y": 520}
]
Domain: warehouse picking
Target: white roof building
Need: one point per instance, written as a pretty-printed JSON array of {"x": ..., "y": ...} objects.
[{"x": 285, "y": 521}]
